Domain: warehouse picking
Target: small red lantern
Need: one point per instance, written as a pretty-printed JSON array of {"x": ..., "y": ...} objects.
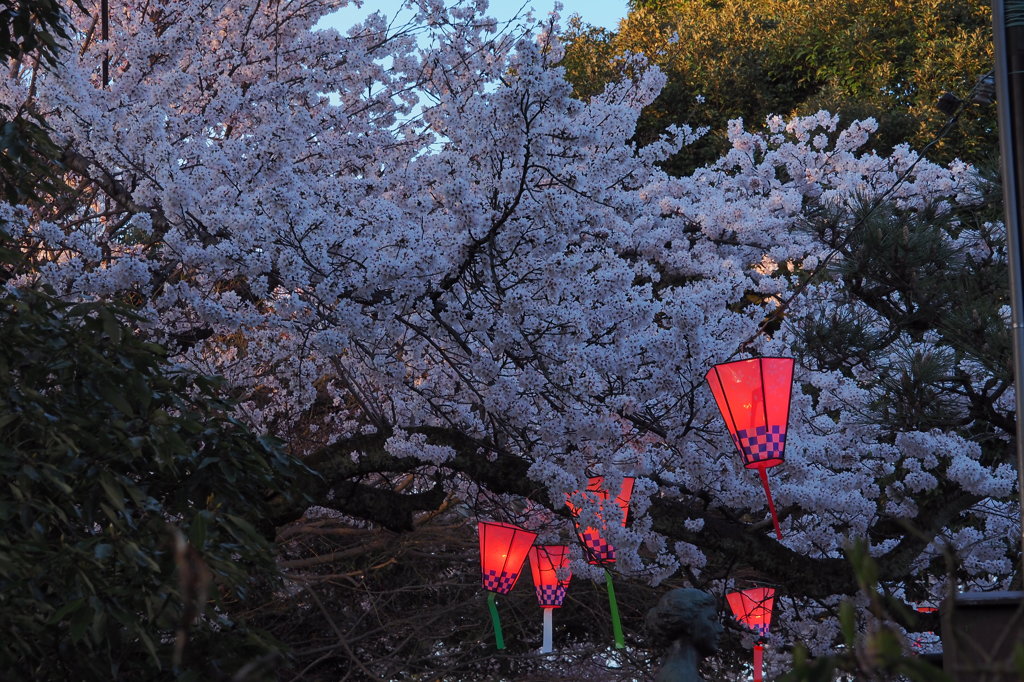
[
  {"x": 919, "y": 642},
  {"x": 503, "y": 549},
  {"x": 599, "y": 551},
  {"x": 753, "y": 396},
  {"x": 753, "y": 608},
  {"x": 546, "y": 562}
]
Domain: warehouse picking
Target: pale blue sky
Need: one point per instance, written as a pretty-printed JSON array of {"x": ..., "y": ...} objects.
[{"x": 605, "y": 13}]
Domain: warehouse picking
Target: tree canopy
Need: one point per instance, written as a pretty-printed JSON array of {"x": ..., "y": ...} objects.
[
  {"x": 751, "y": 59},
  {"x": 457, "y": 290}
]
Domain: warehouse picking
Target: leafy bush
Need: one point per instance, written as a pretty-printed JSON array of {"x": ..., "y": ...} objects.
[{"x": 107, "y": 456}]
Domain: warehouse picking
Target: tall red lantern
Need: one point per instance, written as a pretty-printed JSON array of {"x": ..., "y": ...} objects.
[
  {"x": 600, "y": 551},
  {"x": 546, "y": 563},
  {"x": 503, "y": 549},
  {"x": 753, "y": 396},
  {"x": 753, "y": 608}
]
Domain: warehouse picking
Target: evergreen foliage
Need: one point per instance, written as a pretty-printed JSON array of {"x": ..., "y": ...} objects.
[
  {"x": 130, "y": 496},
  {"x": 33, "y": 31}
]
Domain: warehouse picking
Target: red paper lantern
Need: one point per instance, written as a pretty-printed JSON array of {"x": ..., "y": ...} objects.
[
  {"x": 599, "y": 551},
  {"x": 503, "y": 549},
  {"x": 546, "y": 562},
  {"x": 753, "y": 397},
  {"x": 753, "y": 608},
  {"x": 918, "y": 642}
]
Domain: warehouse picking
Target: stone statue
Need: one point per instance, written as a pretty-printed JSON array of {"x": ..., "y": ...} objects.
[{"x": 687, "y": 623}]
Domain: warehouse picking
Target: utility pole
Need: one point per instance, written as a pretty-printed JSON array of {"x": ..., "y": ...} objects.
[
  {"x": 982, "y": 630},
  {"x": 1008, "y": 32},
  {"x": 105, "y": 36}
]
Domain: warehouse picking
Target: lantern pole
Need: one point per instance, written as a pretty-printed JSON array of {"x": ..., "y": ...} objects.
[
  {"x": 762, "y": 470},
  {"x": 620, "y": 642},
  {"x": 1009, "y": 75},
  {"x": 771, "y": 502},
  {"x": 548, "y": 646},
  {"x": 493, "y": 606}
]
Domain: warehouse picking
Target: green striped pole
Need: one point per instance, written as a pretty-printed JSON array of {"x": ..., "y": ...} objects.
[
  {"x": 499, "y": 640},
  {"x": 620, "y": 642}
]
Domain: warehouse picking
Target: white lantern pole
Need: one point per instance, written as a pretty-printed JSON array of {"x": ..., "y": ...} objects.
[{"x": 547, "y": 647}]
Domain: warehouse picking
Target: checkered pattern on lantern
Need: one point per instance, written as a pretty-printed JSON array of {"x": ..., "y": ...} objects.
[
  {"x": 761, "y": 443},
  {"x": 550, "y": 595},
  {"x": 599, "y": 549},
  {"x": 501, "y": 583},
  {"x": 761, "y": 629}
]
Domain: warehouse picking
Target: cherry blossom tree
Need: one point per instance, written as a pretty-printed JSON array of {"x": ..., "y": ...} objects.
[{"x": 456, "y": 290}]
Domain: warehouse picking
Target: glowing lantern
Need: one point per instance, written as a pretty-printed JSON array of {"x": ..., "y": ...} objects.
[
  {"x": 503, "y": 549},
  {"x": 546, "y": 563},
  {"x": 919, "y": 642},
  {"x": 753, "y": 608},
  {"x": 599, "y": 550},
  {"x": 753, "y": 397}
]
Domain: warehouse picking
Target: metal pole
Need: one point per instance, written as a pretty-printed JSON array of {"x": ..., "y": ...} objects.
[{"x": 1009, "y": 76}]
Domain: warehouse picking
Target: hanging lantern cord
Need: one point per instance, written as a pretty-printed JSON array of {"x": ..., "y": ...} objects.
[
  {"x": 771, "y": 503},
  {"x": 620, "y": 642},
  {"x": 493, "y": 606}
]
